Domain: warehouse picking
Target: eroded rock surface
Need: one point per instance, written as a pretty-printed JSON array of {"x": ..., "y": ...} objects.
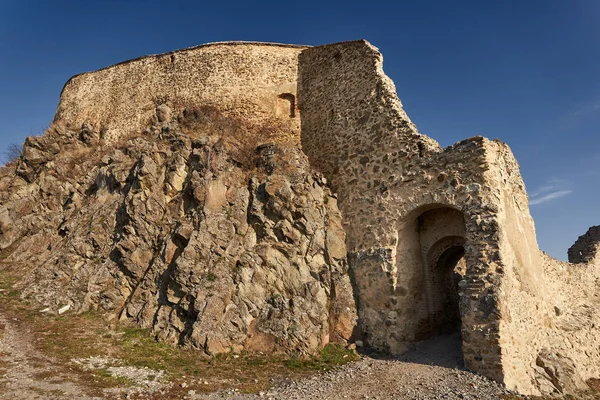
[
  {"x": 183, "y": 202},
  {"x": 184, "y": 234}
]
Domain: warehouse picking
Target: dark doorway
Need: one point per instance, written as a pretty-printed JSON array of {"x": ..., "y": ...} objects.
[
  {"x": 288, "y": 103},
  {"x": 447, "y": 272}
]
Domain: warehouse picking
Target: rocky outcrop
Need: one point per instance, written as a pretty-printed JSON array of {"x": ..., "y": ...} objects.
[
  {"x": 586, "y": 248},
  {"x": 558, "y": 374},
  {"x": 183, "y": 233},
  {"x": 171, "y": 191}
]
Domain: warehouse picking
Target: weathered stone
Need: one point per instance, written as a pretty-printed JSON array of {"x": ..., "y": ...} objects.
[
  {"x": 182, "y": 258},
  {"x": 586, "y": 248},
  {"x": 215, "y": 230},
  {"x": 561, "y": 372},
  {"x": 163, "y": 113}
]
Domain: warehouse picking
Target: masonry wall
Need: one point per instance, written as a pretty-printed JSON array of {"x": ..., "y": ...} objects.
[
  {"x": 527, "y": 320},
  {"x": 548, "y": 308},
  {"x": 386, "y": 175},
  {"x": 572, "y": 333},
  {"x": 253, "y": 81},
  {"x": 456, "y": 179},
  {"x": 355, "y": 131},
  {"x": 523, "y": 287},
  {"x": 402, "y": 198}
]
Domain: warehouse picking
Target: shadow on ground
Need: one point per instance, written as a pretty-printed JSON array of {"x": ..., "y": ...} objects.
[{"x": 441, "y": 351}]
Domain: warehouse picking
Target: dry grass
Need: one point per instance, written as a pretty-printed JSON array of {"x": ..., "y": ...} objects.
[
  {"x": 68, "y": 337},
  {"x": 243, "y": 136},
  {"x": 11, "y": 154}
]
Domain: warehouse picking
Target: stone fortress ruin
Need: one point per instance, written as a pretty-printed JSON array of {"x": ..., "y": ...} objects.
[{"x": 437, "y": 238}]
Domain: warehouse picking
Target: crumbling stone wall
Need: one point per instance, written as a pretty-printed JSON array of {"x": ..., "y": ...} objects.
[
  {"x": 252, "y": 81},
  {"x": 415, "y": 215},
  {"x": 569, "y": 337},
  {"x": 390, "y": 179},
  {"x": 387, "y": 175}
]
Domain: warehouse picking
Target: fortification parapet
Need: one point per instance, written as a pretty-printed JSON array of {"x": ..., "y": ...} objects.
[{"x": 252, "y": 81}]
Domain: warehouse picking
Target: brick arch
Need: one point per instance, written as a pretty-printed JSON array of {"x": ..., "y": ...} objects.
[
  {"x": 441, "y": 236},
  {"x": 434, "y": 253},
  {"x": 443, "y": 266}
]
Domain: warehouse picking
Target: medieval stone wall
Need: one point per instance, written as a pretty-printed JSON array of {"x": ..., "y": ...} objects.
[
  {"x": 255, "y": 82},
  {"x": 355, "y": 131},
  {"x": 390, "y": 179},
  {"x": 456, "y": 179},
  {"x": 547, "y": 308},
  {"x": 522, "y": 286},
  {"x": 386, "y": 175},
  {"x": 412, "y": 212},
  {"x": 570, "y": 336}
]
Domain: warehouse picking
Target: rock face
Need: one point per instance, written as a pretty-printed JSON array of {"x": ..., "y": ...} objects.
[
  {"x": 586, "y": 248},
  {"x": 172, "y": 191},
  {"x": 210, "y": 248}
]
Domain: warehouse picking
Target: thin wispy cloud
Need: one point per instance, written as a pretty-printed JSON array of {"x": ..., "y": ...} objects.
[
  {"x": 579, "y": 114},
  {"x": 549, "y": 197},
  {"x": 587, "y": 109},
  {"x": 553, "y": 189}
]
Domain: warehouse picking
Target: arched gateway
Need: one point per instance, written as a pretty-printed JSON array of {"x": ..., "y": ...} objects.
[{"x": 441, "y": 233}]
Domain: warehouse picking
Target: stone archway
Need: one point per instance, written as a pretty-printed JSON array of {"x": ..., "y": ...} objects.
[
  {"x": 441, "y": 237},
  {"x": 444, "y": 268}
]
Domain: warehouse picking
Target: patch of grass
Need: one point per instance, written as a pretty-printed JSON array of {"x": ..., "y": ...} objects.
[
  {"x": 139, "y": 349},
  {"x": 333, "y": 355},
  {"x": 70, "y": 336},
  {"x": 110, "y": 380},
  {"x": 211, "y": 277}
]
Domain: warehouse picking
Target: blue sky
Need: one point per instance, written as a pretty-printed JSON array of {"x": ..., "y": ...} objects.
[{"x": 526, "y": 72}]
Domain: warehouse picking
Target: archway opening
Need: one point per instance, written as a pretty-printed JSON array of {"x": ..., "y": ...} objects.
[
  {"x": 448, "y": 271},
  {"x": 441, "y": 237},
  {"x": 286, "y": 104},
  {"x": 435, "y": 249}
]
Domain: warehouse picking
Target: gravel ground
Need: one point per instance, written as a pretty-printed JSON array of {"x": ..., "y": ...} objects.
[
  {"x": 432, "y": 370},
  {"x": 26, "y": 374}
]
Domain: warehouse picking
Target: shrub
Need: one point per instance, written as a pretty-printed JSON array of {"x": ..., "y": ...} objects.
[{"x": 12, "y": 153}]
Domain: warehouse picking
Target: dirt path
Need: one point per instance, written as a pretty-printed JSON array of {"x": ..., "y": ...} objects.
[
  {"x": 26, "y": 374},
  {"x": 432, "y": 370}
]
